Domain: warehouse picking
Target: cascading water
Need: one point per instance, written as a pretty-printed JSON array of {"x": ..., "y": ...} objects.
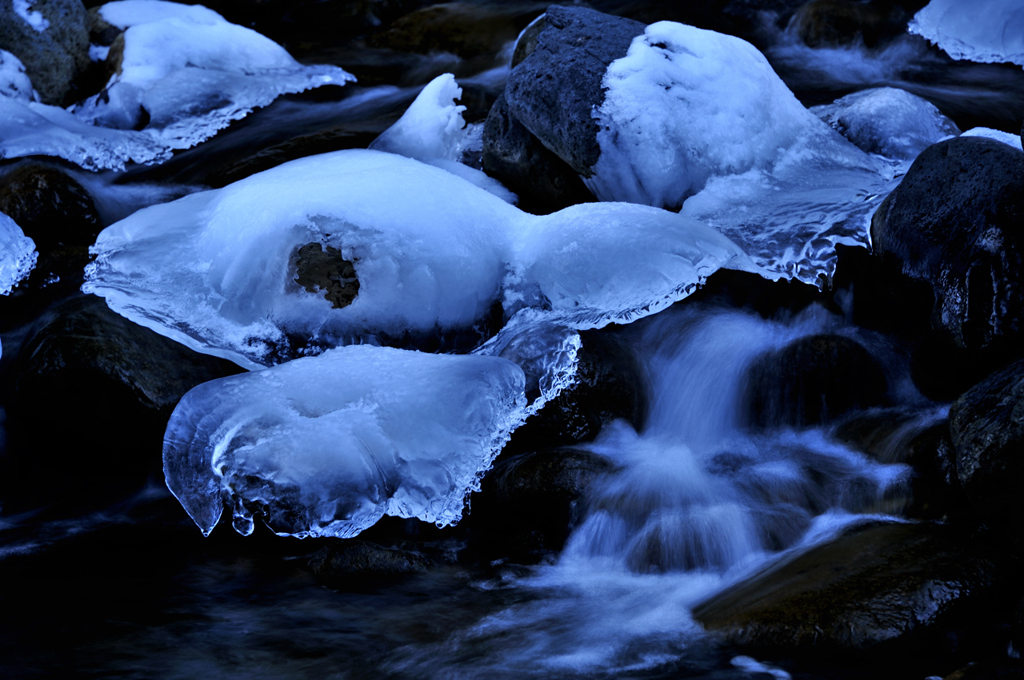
[{"x": 700, "y": 499}]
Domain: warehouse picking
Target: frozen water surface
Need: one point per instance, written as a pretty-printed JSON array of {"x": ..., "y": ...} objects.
[{"x": 326, "y": 446}]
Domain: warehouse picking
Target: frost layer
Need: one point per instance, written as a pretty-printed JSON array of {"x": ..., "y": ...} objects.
[
  {"x": 326, "y": 446},
  {"x": 431, "y": 252},
  {"x": 194, "y": 73},
  {"x": 17, "y": 254},
  {"x": 888, "y": 121},
  {"x": 987, "y": 31},
  {"x": 14, "y": 82},
  {"x": 692, "y": 114}
]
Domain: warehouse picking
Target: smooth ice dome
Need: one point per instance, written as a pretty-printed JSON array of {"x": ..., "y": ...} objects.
[
  {"x": 888, "y": 121},
  {"x": 17, "y": 254},
  {"x": 326, "y": 446},
  {"x": 699, "y": 120},
  {"x": 986, "y": 31},
  {"x": 360, "y": 245},
  {"x": 193, "y": 73}
]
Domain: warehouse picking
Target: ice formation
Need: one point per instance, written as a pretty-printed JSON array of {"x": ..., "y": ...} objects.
[
  {"x": 888, "y": 121},
  {"x": 987, "y": 31},
  {"x": 34, "y": 129},
  {"x": 14, "y": 82},
  {"x": 404, "y": 248},
  {"x": 432, "y": 130},
  {"x": 698, "y": 119},
  {"x": 17, "y": 254},
  {"x": 193, "y": 73},
  {"x": 998, "y": 135},
  {"x": 23, "y": 8},
  {"x": 381, "y": 431}
]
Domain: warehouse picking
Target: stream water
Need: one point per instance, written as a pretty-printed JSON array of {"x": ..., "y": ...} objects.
[{"x": 699, "y": 500}]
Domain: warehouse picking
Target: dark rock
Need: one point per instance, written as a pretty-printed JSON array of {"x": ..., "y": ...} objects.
[
  {"x": 317, "y": 270},
  {"x": 956, "y": 221},
  {"x": 463, "y": 29},
  {"x": 54, "y": 57},
  {"x": 529, "y": 503},
  {"x": 919, "y": 438},
  {"x": 554, "y": 91},
  {"x": 511, "y": 154},
  {"x": 882, "y": 587},
  {"x": 987, "y": 427},
  {"x": 812, "y": 380},
  {"x": 609, "y": 386},
  {"x": 89, "y": 397},
  {"x": 349, "y": 563},
  {"x": 49, "y": 205}
]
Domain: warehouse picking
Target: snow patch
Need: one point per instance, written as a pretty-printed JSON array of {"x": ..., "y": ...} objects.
[
  {"x": 14, "y": 82},
  {"x": 23, "y": 8},
  {"x": 998, "y": 135}
]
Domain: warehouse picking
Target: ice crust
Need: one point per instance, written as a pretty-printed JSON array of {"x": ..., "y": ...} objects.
[
  {"x": 432, "y": 252},
  {"x": 998, "y": 135},
  {"x": 698, "y": 119},
  {"x": 986, "y": 31},
  {"x": 326, "y": 446},
  {"x": 17, "y": 254},
  {"x": 888, "y": 121},
  {"x": 193, "y": 73}
]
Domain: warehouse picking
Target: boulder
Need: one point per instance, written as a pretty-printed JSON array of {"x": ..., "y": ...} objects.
[
  {"x": 50, "y": 206},
  {"x": 608, "y": 386},
  {"x": 530, "y": 502},
  {"x": 957, "y": 221},
  {"x": 987, "y": 428},
  {"x": 511, "y": 154},
  {"x": 88, "y": 399},
  {"x": 878, "y": 587},
  {"x": 812, "y": 380},
  {"x": 54, "y": 47},
  {"x": 555, "y": 90}
]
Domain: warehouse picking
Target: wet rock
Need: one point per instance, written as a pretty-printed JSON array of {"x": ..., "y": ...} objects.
[
  {"x": 511, "y": 154},
  {"x": 529, "y": 503},
  {"x": 554, "y": 91},
  {"x": 609, "y": 386},
  {"x": 899, "y": 588},
  {"x": 88, "y": 397},
  {"x": 53, "y": 56},
  {"x": 349, "y": 563},
  {"x": 834, "y": 23},
  {"x": 916, "y": 437},
  {"x": 987, "y": 427},
  {"x": 327, "y": 271},
  {"x": 50, "y": 206},
  {"x": 957, "y": 221},
  {"x": 464, "y": 29},
  {"x": 812, "y": 380}
]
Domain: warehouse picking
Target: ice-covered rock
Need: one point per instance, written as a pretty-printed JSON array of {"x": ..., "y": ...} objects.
[
  {"x": 391, "y": 249},
  {"x": 986, "y": 31},
  {"x": 1016, "y": 141},
  {"x": 34, "y": 129},
  {"x": 887, "y": 121},
  {"x": 699, "y": 119},
  {"x": 17, "y": 254},
  {"x": 14, "y": 82},
  {"x": 432, "y": 130},
  {"x": 327, "y": 445},
  {"x": 193, "y": 73}
]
